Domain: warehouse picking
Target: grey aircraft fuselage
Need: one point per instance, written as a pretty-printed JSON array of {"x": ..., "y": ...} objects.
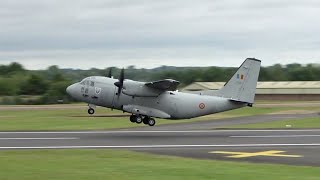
[{"x": 101, "y": 91}]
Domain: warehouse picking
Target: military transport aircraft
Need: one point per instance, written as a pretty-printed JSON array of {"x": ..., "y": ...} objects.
[{"x": 160, "y": 99}]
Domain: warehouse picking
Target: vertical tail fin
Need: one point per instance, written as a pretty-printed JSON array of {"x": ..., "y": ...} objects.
[{"x": 242, "y": 86}]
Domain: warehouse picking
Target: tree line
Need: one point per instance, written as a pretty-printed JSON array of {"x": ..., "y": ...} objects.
[{"x": 21, "y": 86}]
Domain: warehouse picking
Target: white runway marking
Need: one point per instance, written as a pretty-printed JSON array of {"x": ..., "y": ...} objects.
[
  {"x": 62, "y": 138},
  {"x": 159, "y": 131},
  {"x": 159, "y": 146},
  {"x": 278, "y": 136}
]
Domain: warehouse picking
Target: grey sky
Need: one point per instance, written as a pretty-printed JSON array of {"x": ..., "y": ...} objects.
[{"x": 102, "y": 33}]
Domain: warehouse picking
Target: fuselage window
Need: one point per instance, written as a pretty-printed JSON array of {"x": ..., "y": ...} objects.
[{"x": 92, "y": 83}]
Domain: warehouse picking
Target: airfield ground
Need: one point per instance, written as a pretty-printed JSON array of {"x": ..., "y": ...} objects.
[
  {"x": 75, "y": 117},
  {"x": 35, "y": 143},
  {"x": 115, "y": 164}
]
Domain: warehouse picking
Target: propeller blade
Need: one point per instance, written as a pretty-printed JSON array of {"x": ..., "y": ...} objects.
[
  {"x": 121, "y": 78},
  {"x": 119, "y": 90},
  {"x": 119, "y": 87},
  {"x": 119, "y": 83}
]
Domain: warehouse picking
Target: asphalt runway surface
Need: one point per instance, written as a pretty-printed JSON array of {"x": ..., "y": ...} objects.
[{"x": 195, "y": 140}]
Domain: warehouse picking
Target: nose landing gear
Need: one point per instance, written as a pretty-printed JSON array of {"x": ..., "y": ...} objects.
[
  {"x": 91, "y": 109},
  {"x": 145, "y": 119}
]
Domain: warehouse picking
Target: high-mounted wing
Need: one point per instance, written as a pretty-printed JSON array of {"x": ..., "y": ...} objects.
[{"x": 164, "y": 85}]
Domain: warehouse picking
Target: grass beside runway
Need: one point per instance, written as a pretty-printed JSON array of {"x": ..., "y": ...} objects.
[
  {"x": 116, "y": 164},
  {"x": 78, "y": 119},
  {"x": 292, "y": 123},
  {"x": 70, "y": 119}
]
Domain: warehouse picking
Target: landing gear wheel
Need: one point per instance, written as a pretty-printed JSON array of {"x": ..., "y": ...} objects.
[
  {"x": 145, "y": 120},
  {"x": 151, "y": 122},
  {"x": 90, "y": 111},
  {"x": 133, "y": 118},
  {"x": 138, "y": 119}
]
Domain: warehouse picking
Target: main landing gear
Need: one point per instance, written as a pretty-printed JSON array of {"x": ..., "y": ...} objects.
[{"x": 142, "y": 119}]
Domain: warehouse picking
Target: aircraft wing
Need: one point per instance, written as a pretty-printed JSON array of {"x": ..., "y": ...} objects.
[{"x": 164, "y": 85}]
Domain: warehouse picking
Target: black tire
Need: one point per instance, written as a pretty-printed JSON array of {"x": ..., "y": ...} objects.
[
  {"x": 90, "y": 111},
  {"x": 133, "y": 118},
  {"x": 151, "y": 122},
  {"x": 138, "y": 119},
  {"x": 145, "y": 120}
]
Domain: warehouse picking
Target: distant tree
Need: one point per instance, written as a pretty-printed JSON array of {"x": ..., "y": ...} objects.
[
  {"x": 294, "y": 66},
  {"x": 52, "y": 82},
  {"x": 58, "y": 77},
  {"x": 300, "y": 74},
  {"x": 3, "y": 70},
  {"x": 7, "y": 88},
  {"x": 35, "y": 85},
  {"x": 11, "y": 69},
  {"x": 131, "y": 67},
  {"x": 15, "y": 67},
  {"x": 56, "y": 92},
  {"x": 216, "y": 74},
  {"x": 53, "y": 69},
  {"x": 279, "y": 73}
]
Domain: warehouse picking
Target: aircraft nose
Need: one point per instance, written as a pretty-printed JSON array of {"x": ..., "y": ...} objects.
[{"x": 70, "y": 89}]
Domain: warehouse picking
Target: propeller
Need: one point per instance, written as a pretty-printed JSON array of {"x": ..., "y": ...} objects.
[
  {"x": 119, "y": 83},
  {"x": 110, "y": 73}
]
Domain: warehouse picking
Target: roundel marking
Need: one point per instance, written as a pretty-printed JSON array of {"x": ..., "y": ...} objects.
[{"x": 202, "y": 105}]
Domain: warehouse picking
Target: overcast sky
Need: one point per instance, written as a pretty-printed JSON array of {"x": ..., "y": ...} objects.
[{"x": 145, "y": 33}]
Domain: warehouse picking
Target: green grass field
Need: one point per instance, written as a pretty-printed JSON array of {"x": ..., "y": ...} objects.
[
  {"x": 70, "y": 119},
  {"x": 116, "y": 164},
  {"x": 78, "y": 119}
]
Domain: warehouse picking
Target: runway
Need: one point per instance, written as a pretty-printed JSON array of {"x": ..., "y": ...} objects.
[
  {"x": 287, "y": 146},
  {"x": 214, "y": 124}
]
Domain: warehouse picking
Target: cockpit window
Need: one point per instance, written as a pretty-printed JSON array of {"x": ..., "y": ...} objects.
[{"x": 87, "y": 82}]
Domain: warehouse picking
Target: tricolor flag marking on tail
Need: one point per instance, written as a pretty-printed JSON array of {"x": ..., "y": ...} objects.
[{"x": 240, "y": 76}]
